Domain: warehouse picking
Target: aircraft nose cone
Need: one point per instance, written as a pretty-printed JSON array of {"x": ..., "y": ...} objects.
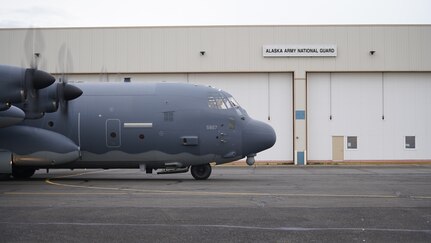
[{"x": 257, "y": 136}]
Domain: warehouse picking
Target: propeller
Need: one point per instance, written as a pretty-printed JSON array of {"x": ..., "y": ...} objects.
[
  {"x": 17, "y": 83},
  {"x": 36, "y": 83},
  {"x": 30, "y": 89},
  {"x": 40, "y": 94},
  {"x": 35, "y": 79},
  {"x": 66, "y": 91},
  {"x": 34, "y": 46},
  {"x": 104, "y": 76}
]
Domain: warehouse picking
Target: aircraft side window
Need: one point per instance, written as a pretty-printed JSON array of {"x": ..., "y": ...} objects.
[
  {"x": 227, "y": 103},
  {"x": 221, "y": 104},
  {"x": 233, "y": 102}
]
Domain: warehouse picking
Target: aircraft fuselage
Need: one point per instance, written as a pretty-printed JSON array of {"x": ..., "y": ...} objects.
[{"x": 130, "y": 125}]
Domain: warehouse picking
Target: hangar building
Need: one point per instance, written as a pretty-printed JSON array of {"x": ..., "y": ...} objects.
[{"x": 332, "y": 93}]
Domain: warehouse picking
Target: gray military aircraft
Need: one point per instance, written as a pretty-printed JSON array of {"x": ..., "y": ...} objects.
[{"x": 169, "y": 127}]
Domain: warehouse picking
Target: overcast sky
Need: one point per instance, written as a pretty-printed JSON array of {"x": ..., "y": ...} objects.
[{"x": 88, "y": 13}]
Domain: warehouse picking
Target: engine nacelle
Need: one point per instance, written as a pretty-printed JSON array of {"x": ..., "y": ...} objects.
[
  {"x": 16, "y": 83},
  {"x": 11, "y": 116},
  {"x": 12, "y": 84},
  {"x": 35, "y": 147},
  {"x": 49, "y": 99}
]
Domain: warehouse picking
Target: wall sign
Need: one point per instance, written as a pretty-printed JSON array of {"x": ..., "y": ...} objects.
[{"x": 300, "y": 50}]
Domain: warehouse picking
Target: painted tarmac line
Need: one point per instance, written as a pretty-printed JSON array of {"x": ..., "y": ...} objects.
[
  {"x": 64, "y": 193},
  {"x": 123, "y": 191},
  {"x": 190, "y": 193},
  {"x": 79, "y": 174},
  {"x": 207, "y": 193},
  {"x": 222, "y": 226}
]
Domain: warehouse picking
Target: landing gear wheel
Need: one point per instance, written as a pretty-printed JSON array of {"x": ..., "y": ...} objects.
[
  {"x": 201, "y": 172},
  {"x": 22, "y": 172}
]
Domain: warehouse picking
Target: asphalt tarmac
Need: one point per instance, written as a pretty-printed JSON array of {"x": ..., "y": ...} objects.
[{"x": 264, "y": 204}]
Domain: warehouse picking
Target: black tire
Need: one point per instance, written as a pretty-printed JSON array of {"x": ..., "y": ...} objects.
[
  {"x": 201, "y": 172},
  {"x": 22, "y": 172}
]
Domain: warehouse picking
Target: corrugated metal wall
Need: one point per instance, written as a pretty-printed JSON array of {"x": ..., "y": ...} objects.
[{"x": 227, "y": 49}]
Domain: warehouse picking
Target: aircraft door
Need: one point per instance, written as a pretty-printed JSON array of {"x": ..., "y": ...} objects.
[{"x": 113, "y": 133}]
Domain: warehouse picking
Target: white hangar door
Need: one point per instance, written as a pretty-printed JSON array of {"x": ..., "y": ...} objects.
[
  {"x": 266, "y": 97},
  {"x": 369, "y": 116}
]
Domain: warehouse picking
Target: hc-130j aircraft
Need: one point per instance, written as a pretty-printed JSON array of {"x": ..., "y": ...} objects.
[{"x": 173, "y": 127}]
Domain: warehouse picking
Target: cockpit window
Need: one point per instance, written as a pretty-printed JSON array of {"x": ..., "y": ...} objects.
[
  {"x": 233, "y": 102},
  {"x": 215, "y": 102},
  {"x": 221, "y": 102}
]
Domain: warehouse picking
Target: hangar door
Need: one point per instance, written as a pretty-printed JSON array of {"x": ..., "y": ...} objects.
[{"x": 378, "y": 116}]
